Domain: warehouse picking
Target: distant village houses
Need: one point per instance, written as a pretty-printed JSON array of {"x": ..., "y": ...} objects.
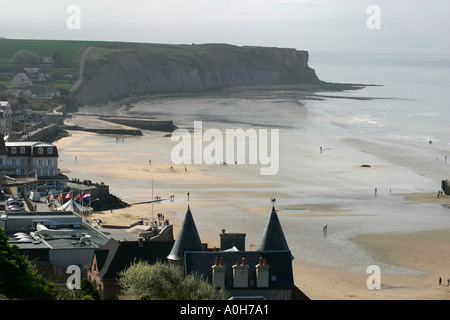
[
  {"x": 31, "y": 70},
  {"x": 6, "y": 114},
  {"x": 21, "y": 80},
  {"x": 48, "y": 60}
]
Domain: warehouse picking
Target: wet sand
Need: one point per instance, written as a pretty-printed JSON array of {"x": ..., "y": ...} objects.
[{"x": 219, "y": 194}]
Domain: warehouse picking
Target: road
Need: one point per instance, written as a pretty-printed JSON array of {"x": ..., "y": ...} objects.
[{"x": 80, "y": 78}]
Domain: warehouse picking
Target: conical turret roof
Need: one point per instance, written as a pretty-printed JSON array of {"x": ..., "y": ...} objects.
[
  {"x": 187, "y": 239},
  {"x": 273, "y": 236}
]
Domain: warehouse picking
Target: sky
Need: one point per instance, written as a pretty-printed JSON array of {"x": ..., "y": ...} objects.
[{"x": 398, "y": 26}]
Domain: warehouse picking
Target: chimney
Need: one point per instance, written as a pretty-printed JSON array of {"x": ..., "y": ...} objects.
[
  {"x": 240, "y": 274},
  {"x": 262, "y": 273},
  {"x": 140, "y": 242},
  {"x": 218, "y": 274},
  {"x": 228, "y": 240}
]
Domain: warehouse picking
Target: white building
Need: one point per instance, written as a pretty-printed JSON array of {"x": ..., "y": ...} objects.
[{"x": 33, "y": 160}]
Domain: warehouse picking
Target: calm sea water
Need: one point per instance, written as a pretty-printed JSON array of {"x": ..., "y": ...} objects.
[{"x": 418, "y": 109}]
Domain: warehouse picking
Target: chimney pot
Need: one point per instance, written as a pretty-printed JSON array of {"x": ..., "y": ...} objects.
[{"x": 218, "y": 274}]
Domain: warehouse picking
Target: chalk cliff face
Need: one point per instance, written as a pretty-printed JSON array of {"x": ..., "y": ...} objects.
[{"x": 196, "y": 68}]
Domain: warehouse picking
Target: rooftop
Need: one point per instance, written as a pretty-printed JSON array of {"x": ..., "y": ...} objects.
[{"x": 60, "y": 230}]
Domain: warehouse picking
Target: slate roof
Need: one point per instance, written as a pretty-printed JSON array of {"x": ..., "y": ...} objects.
[
  {"x": 188, "y": 239},
  {"x": 280, "y": 262},
  {"x": 115, "y": 256},
  {"x": 273, "y": 236}
]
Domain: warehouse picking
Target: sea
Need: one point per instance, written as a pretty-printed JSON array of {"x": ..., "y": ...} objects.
[{"x": 346, "y": 159}]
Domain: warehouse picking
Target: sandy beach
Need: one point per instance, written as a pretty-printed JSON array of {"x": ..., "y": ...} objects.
[{"x": 238, "y": 200}]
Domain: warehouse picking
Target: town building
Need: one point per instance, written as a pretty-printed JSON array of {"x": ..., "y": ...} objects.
[
  {"x": 263, "y": 274},
  {"x": 30, "y": 165},
  {"x": 53, "y": 239},
  {"x": 116, "y": 256}
]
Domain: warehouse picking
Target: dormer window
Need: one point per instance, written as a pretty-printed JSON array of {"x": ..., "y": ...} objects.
[
  {"x": 49, "y": 151},
  {"x": 40, "y": 150},
  {"x": 13, "y": 150},
  {"x": 22, "y": 150}
]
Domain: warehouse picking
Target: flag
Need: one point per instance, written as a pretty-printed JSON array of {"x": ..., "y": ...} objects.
[
  {"x": 87, "y": 196},
  {"x": 60, "y": 198},
  {"x": 51, "y": 197},
  {"x": 78, "y": 196},
  {"x": 69, "y": 195}
]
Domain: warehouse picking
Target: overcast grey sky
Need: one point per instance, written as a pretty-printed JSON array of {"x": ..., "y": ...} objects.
[{"x": 417, "y": 26}]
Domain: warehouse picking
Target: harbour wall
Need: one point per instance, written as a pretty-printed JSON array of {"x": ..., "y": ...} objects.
[{"x": 144, "y": 124}]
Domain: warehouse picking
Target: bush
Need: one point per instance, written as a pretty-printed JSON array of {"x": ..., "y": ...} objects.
[
  {"x": 25, "y": 58},
  {"x": 162, "y": 281},
  {"x": 18, "y": 277}
]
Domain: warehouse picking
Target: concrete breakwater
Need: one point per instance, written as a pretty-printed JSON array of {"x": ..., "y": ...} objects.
[{"x": 144, "y": 124}]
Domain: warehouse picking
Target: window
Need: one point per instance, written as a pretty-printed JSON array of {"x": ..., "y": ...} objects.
[
  {"x": 49, "y": 150},
  {"x": 40, "y": 150},
  {"x": 13, "y": 150},
  {"x": 22, "y": 150}
]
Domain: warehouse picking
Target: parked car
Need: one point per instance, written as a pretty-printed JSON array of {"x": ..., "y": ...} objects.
[
  {"x": 12, "y": 199},
  {"x": 15, "y": 208},
  {"x": 15, "y": 203}
]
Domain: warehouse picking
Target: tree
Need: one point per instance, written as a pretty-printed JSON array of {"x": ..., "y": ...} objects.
[
  {"x": 57, "y": 57},
  {"x": 144, "y": 281},
  {"x": 25, "y": 58},
  {"x": 18, "y": 277}
]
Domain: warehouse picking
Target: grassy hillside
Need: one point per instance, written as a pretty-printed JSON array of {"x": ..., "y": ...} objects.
[{"x": 41, "y": 47}]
